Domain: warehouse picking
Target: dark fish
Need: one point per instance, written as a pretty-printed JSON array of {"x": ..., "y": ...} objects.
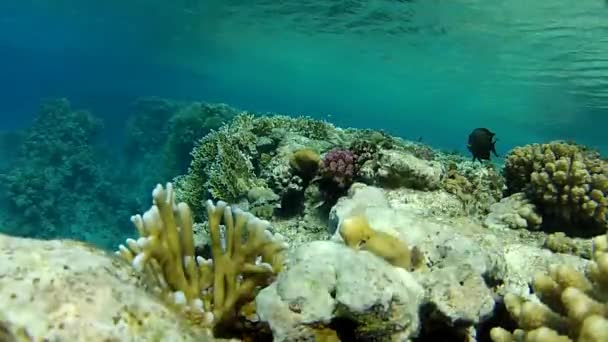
[{"x": 481, "y": 143}]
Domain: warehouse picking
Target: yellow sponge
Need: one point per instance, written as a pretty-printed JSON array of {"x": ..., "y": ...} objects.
[{"x": 358, "y": 234}]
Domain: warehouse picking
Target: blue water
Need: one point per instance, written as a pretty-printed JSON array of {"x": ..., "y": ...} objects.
[
  {"x": 430, "y": 70},
  {"x": 436, "y": 69}
]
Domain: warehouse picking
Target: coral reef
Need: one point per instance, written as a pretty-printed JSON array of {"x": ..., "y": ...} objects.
[
  {"x": 186, "y": 127},
  {"x": 568, "y": 184},
  {"x": 57, "y": 185},
  {"x": 243, "y": 155},
  {"x": 574, "y": 306},
  {"x": 477, "y": 186},
  {"x": 150, "y": 114},
  {"x": 387, "y": 239},
  {"x": 208, "y": 291},
  {"x": 222, "y": 165},
  {"x": 165, "y": 130}
]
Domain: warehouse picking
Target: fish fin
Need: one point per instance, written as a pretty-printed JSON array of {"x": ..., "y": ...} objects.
[{"x": 494, "y": 148}]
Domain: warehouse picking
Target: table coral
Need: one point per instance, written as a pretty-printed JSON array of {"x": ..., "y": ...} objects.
[
  {"x": 568, "y": 183},
  {"x": 208, "y": 291},
  {"x": 574, "y": 306}
]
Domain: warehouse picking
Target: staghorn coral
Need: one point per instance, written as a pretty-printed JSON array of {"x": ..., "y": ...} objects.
[
  {"x": 568, "y": 183},
  {"x": 574, "y": 306},
  {"x": 209, "y": 291}
]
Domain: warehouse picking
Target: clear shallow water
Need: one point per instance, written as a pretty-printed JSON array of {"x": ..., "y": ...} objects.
[{"x": 531, "y": 71}]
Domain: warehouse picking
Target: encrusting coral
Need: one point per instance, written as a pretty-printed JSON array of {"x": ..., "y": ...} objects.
[
  {"x": 358, "y": 234},
  {"x": 566, "y": 182},
  {"x": 208, "y": 291},
  {"x": 305, "y": 163},
  {"x": 574, "y": 306}
]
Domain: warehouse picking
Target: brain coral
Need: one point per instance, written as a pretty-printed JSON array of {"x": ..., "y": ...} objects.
[{"x": 567, "y": 182}]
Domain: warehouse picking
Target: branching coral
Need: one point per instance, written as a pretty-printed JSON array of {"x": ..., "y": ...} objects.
[
  {"x": 227, "y": 163},
  {"x": 187, "y": 126},
  {"x": 222, "y": 165},
  {"x": 566, "y": 182},
  {"x": 246, "y": 256},
  {"x": 574, "y": 306}
]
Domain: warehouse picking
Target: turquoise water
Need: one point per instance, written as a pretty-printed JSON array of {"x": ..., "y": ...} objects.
[
  {"x": 429, "y": 70},
  {"x": 436, "y": 69}
]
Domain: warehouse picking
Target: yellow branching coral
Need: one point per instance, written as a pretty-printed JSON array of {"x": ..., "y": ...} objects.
[
  {"x": 246, "y": 256},
  {"x": 574, "y": 306}
]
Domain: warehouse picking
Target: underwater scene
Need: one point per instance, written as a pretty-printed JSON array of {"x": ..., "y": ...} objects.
[{"x": 381, "y": 170}]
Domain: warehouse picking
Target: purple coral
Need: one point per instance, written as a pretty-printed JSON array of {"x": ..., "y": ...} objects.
[{"x": 339, "y": 166}]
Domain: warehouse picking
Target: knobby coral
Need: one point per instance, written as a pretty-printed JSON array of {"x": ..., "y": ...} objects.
[
  {"x": 245, "y": 257},
  {"x": 574, "y": 306},
  {"x": 339, "y": 166},
  {"x": 568, "y": 183}
]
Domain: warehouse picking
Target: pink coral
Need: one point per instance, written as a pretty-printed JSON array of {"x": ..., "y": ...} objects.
[{"x": 339, "y": 166}]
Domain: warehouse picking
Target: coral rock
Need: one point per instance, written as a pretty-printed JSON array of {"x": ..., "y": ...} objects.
[
  {"x": 67, "y": 291},
  {"x": 400, "y": 169},
  {"x": 514, "y": 212},
  {"x": 327, "y": 280}
]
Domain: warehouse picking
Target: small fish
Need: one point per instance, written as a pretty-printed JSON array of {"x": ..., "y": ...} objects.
[{"x": 481, "y": 143}]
